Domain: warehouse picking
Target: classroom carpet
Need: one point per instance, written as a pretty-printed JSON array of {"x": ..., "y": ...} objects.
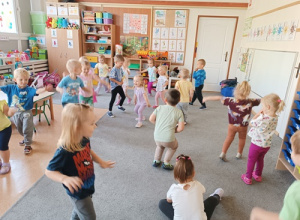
[{"x": 133, "y": 188}]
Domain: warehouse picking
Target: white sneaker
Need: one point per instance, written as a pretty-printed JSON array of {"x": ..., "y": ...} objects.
[
  {"x": 238, "y": 156},
  {"x": 219, "y": 192},
  {"x": 138, "y": 125},
  {"x": 223, "y": 157}
]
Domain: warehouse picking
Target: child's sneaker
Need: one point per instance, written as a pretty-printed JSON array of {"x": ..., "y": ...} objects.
[
  {"x": 154, "y": 106},
  {"x": 27, "y": 149},
  {"x": 110, "y": 114},
  {"x": 219, "y": 192},
  {"x": 138, "y": 125},
  {"x": 121, "y": 108},
  {"x": 257, "y": 178},
  {"x": 22, "y": 143},
  {"x": 238, "y": 156},
  {"x": 167, "y": 166},
  {"x": 190, "y": 103},
  {"x": 144, "y": 118},
  {"x": 223, "y": 157},
  {"x": 246, "y": 180},
  {"x": 129, "y": 101},
  {"x": 156, "y": 163},
  {"x": 202, "y": 107},
  {"x": 5, "y": 168}
]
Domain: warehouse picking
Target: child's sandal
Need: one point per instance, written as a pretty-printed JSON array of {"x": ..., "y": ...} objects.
[
  {"x": 27, "y": 150},
  {"x": 246, "y": 180}
]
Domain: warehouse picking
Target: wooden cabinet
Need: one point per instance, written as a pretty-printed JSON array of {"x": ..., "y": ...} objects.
[
  {"x": 99, "y": 37},
  {"x": 284, "y": 161},
  {"x": 62, "y": 48},
  {"x": 138, "y": 63}
]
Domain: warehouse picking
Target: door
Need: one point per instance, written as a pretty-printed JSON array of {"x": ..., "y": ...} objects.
[{"x": 214, "y": 44}]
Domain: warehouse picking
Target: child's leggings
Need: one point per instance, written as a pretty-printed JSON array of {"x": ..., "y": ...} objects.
[
  {"x": 198, "y": 94},
  {"x": 256, "y": 156},
  {"x": 171, "y": 149},
  {"x": 114, "y": 93},
  {"x": 97, "y": 90},
  {"x": 83, "y": 208},
  {"x": 209, "y": 206},
  {"x": 139, "y": 108},
  {"x": 150, "y": 87},
  {"x": 24, "y": 123},
  {"x": 160, "y": 94},
  {"x": 232, "y": 130}
]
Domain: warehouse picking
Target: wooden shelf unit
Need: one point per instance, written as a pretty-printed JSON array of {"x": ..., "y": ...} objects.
[
  {"x": 91, "y": 49},
  {"x": 142, "y": 61},
  {"x": 282, "y": 163}
]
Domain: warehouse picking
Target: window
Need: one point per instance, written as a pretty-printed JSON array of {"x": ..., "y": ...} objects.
[{"x": 7, "y": 17}]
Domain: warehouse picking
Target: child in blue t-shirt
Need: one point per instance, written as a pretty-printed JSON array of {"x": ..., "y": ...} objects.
[
  {"x": 72, "y": 164},
  {"x": 69, "y": 85},
  {"x": 199, "y": 75},
  {"x": 21, "y": 96}
]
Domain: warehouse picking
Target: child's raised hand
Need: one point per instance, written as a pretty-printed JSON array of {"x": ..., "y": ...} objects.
[
  {"x": 107, "y": 164},
  {"x": 73, "y": 183}
]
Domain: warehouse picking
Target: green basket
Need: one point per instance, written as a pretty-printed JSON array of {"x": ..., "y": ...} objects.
[
  {"x": 134, "y": 66},
  {"x": 38, "y": 17},
  {"x": 38, "y": 28}
]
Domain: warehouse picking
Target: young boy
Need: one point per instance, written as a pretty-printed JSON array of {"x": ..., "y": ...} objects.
[
  {"x": 20, "y": 96},
  {"x": 199, "y": 76},
  {"x": 102, "y": 70},
  {"x": 168, "y": 120},
  {"x": 116, "y": 81},
  {"x": 185, "y": 87},
  {"x": 291, "y": 203},
  {"x": 69, "y": 85}
]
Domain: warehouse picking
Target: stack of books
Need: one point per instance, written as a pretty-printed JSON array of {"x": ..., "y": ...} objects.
[{"x": 88, "y": 16}]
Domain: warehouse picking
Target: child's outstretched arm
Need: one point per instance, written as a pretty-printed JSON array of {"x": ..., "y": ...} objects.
[
  {"x": 143, "y": 71},
  {"x": 9, "y": 112},
  {"x": 97, "y": 78},
  {"x": 152, "y": 118},
  {"x": 261, "y": 214},
  {"x": 213, "y": 98},
  {"x": 191, "y": 94},
  {"x": 102, "y": 163},
  {"x": 180, "y": 127},
  {"x": 73, "y": 183}
]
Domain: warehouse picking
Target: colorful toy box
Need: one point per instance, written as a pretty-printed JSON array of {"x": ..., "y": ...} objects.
[{"x": 42, "y": 54}]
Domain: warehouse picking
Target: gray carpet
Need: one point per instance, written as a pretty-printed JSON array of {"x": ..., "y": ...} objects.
[{"x": 133, "y": 188}]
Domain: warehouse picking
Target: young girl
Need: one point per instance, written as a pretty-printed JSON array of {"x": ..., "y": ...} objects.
[
  {"x": 72, "y": 164},
  {"x": 140, "y": 99},
  {"x": 102, "y": 69},
  {"x": 151, "y": 75},
  {"x": 126, "y": 71},
  {"x": 87, "y": 77},
  {"x": 161, "y": 84},
  {"x": 5, "y": 134},
  {"x": 239, "y": 111},
  {"x": 185, "y": 200},
  {"x": 263, "y": 126}
]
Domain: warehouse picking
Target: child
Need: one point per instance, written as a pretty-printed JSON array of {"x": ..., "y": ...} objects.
[
  {"x": 185, "y": 87},
  {"x": 72, "y": 164},
  {"x": 239, "y": 111},
  {"x": 102, "y": 69},
  {"x": 116, "y": 81},
  {"x": 126, "y": 71},
  {"x": 21, "y": 97},
  {"x": 87, "y": 77},
  {"x": 199, "y": 75},
  {"x": 161, "y": 84},
  {"x": 5, "y": 134},
  {"x": 291, "y": 203},
  {"x": 263, "y": 126},
  {"x": 151, "y": 75},
  {"x": 168, "y": 120},
  {"x": 185, "y": 200},
  {"x": 140, "y": 99},
  {"x": 69, "y": 85}
]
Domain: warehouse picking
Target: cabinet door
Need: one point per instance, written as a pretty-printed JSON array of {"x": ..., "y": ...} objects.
[
  {"x": 53, "y": 49},
  {"x": 73, "y": 49}
]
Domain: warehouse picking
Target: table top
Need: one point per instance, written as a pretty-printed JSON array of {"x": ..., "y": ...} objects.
[{"x": 35, "y": 99}]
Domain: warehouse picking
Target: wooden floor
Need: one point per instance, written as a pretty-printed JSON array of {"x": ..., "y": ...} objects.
[{"x": 27, "y": 169}]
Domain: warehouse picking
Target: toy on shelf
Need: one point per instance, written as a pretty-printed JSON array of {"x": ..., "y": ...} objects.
[
  {"x": 54, "y": 23},
  {"x": 49, "y": 22},
  {"x": 101, "y": 50},
  {"x": 64, "y": 23},
  {"x": 59, "y": 22},
  {"x": 143, "y": 54},
  {"x": 18, "y": 65},
  {"x": 24, "y": 57}
]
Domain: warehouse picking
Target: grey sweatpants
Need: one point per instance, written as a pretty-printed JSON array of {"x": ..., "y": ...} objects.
[
  {"x": 160, "y": 147},
  {"x": 83, "y": 209},
  {"x": 24, "y": 123},
  {"x": 183, "y": 106}
]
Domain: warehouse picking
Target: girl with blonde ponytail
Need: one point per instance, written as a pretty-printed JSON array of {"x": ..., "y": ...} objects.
[{"x": 263, "y": 126}]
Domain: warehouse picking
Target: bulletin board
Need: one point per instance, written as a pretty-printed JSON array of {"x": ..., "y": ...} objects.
[
  {"x": 137, "y": 39},
  {"x": 169, "y": 33}
]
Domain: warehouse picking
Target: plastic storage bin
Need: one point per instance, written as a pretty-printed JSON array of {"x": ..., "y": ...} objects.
[
  {"x": 99, "y": 20},
  {"x": 107, "y": 15},
  {"x": 98, "y": 14},
  {"x": 292, "y": 129},
  {"x": 288, "y": 147},
  {"x": 107, "y": 21},
  {"x": 39, "y": 28},
  {"x": 38, "y": 17},
  {"x": 227, "y": 91},
  {"x": 42, "y": 54},
  {"x": 296, "y": 123},
  {"x": 288, "y": 157}
]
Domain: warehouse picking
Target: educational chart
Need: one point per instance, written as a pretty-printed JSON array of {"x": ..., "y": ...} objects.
[
  {"x": 169, "y": 33},
  {"x": 135, "y": 23},
  {"x": 7, "y": 17}
]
